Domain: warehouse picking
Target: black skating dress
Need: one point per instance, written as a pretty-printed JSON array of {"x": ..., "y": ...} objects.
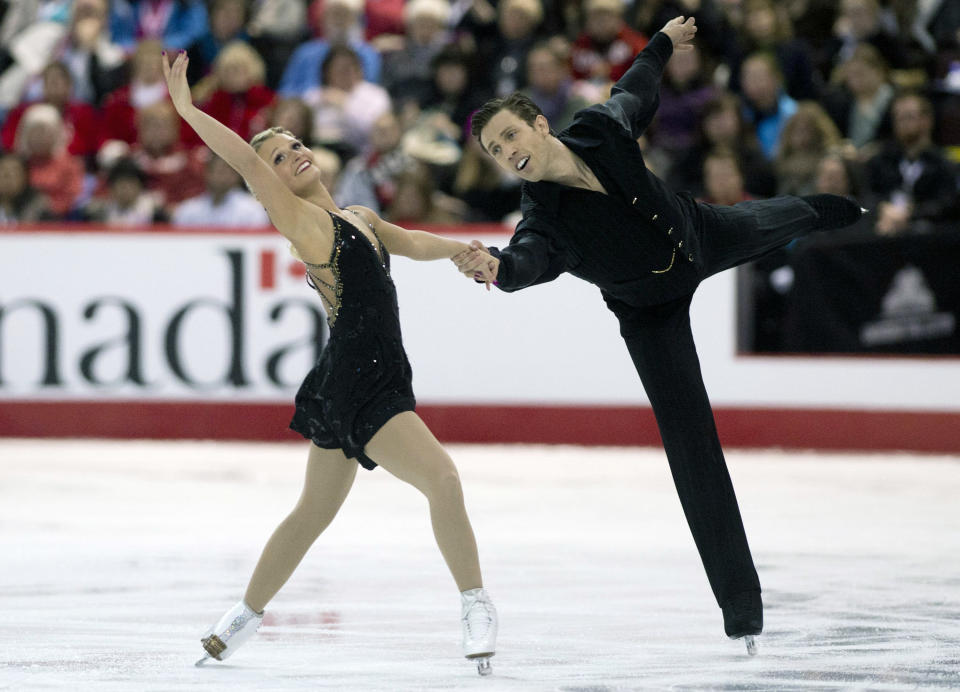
[{"x": 363, "y": 377}]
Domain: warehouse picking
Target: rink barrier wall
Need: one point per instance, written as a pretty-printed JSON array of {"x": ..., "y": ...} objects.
[
  {"x": 581, "y": 425},
  {"x": 225, "y": 330}
]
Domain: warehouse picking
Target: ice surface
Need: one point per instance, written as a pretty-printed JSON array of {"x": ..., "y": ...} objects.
[{"x": 116, "y": 556}]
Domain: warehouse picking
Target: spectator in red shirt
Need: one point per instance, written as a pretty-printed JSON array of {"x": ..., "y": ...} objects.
[
  {"x": 174, "y": 172},
  {"x": 607, "y": 46},
  {"x": 80, "y": 119},
  {"x": 146, "y": 88},
  {"x": 54, "y": 171},
  {"x": 379, "y": 16},
  {"x": 240, "y": 100}
]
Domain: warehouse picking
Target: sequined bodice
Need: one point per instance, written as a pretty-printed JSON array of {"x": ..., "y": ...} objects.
[
  {"x": 363, "y": 377},
  {"x": 356, "y": 268}
]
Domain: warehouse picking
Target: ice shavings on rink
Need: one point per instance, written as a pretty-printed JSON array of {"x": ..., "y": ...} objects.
[{"x": 116, "y": 557}]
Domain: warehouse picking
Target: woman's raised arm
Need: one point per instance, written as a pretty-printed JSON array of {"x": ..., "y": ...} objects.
[{"x": 287, "y": 212}]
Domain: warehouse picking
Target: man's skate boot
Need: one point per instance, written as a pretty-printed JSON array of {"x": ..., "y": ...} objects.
[
  {"x": 479, "y": 619},
  {"x": 743, "y": 617},
  {"x": 235, "y": 627}
]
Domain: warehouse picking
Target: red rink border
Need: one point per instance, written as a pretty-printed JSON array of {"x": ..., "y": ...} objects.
[{"x": 586, "y": 425}]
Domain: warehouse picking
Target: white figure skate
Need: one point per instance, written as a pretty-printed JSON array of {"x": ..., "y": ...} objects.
[
  {"x": 479, "y": 618},
  {"x": 235, "y": 627}
]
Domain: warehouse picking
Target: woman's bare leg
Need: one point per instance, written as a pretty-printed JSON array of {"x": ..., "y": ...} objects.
[
  {"x": 329, "y": 478},
  {"x": 407, "y": 449}
]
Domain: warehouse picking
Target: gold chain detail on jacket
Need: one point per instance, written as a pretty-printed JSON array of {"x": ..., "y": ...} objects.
[{"x": 669, "y": 267}]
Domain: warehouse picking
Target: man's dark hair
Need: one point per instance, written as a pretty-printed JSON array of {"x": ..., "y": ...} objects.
[{"x": 520, "y": 105}]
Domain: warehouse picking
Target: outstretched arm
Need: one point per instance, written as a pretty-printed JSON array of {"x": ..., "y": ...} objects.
[
  {"x": 420, "y": 245},
  {"x": 287, "y": 212},
  {"x": 635, "y": 97}
]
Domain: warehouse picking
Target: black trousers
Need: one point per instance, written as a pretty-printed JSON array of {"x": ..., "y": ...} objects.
[{"x": 661, "y": 345}]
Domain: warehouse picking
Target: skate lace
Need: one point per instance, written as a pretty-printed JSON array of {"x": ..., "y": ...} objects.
[{"x": 478, "y": 618}]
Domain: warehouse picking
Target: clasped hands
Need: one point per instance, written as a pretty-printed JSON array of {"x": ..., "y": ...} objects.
[{"x": 477, "y": 264}]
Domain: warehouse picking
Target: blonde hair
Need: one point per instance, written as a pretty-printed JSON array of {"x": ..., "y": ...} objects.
[
  {"x": 533, "y": 8},
  {"x": 258, "y": 139},
  {"x": 866, "y": 54},
  {"x": 437, "y": 9},
  {"x": 826, "y": 135},
  {"x": 40, "y": 114},
  {"x": 240, "y": 52},
  {"x": 783, "y": 26}
]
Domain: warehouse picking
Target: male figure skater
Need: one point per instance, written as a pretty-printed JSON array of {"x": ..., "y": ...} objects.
[{"x": 591, "y": 208}]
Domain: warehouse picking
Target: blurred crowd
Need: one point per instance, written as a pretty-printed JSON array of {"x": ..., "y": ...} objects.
[{"x": 856, "y": 97}]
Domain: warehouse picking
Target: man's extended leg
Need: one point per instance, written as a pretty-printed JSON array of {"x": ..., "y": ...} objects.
[
  {"x": 661, "y": 344},
  {"x": 735, "y": 235}
]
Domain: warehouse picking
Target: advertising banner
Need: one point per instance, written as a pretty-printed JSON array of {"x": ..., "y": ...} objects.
[
  {"x": 153, "y": 316},
  {"x": 163, "y": 333},
  {"x": 877, "y": 295}
]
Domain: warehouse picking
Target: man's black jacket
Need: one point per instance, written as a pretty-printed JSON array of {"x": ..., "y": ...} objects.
[{"x": 640, "y": 243}]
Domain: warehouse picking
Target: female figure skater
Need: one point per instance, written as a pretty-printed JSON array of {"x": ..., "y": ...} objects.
[{"x": 357, "y": 402}]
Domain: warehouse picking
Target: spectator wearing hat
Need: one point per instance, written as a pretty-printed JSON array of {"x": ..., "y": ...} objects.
[
  {"x": 341, "y": 26},
  {"x": 606, "y": 47}
]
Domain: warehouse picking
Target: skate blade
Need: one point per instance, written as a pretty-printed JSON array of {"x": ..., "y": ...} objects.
[
  {"x": 751, "y": 643},
  {"x": 483, "y": 665}
]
